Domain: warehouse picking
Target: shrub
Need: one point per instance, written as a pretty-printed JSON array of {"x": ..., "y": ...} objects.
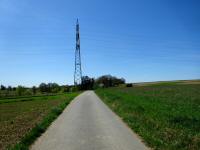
[{"x": 129, "y": 85}]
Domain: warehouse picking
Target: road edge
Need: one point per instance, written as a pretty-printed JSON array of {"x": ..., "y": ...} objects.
[{"x": 121, "y": 119}]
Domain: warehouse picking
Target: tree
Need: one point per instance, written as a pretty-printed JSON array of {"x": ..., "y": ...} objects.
[
  {"x": 3, "y": 87},
  {"x": 43, "y": 87},
  {"x": 9, "y": 88},
  {"x": 50, "y": 87},
  {"x": 87, "y": 83},
  {"x": 65, "y": 88},
  {"x": 53, "y": 87},
  {"x": 105, "y": 80},
  {"x": 34, "y": 90},
  {"x": 109, "y": 81},
  {"x": 20, "y": 90}
]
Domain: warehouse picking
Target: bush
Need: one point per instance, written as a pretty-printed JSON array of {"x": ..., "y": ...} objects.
[
  {"x": 74, "y": 88},
  {"x": 129, "y": 85},
  {"x": 20, "y": 90},
  {"x": 28, "y": 92}
]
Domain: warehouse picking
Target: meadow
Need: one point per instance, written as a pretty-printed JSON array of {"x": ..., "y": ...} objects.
[
  {"x": 23, "y": 119},
  {"x": 165, "y": 115}
]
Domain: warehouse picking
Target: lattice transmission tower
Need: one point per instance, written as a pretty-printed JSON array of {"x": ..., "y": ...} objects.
[{"x": 78, "y": 71}]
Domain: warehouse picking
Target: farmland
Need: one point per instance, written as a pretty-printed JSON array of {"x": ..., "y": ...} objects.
[
  {"x": 165, "y": 115},
  {"x": 18, "y": 116}
]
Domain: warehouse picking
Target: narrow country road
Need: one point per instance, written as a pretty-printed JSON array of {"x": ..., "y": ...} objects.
[{"x": 88, "y": 124}]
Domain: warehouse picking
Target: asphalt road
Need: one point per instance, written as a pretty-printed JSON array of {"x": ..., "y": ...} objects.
[{"x": 88, "y": 124}]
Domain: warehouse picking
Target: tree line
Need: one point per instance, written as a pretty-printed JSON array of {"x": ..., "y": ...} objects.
[
  {"x": 53, "y": 88},
  {"x": 43, "y": 88},
  {"x": 104, "y": 81}
]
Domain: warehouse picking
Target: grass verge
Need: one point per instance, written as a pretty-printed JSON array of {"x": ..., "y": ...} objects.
[{"x": 165, "y": 116}]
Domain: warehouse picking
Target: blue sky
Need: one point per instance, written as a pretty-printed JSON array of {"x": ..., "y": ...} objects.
[{"x": 140, "y": 40}]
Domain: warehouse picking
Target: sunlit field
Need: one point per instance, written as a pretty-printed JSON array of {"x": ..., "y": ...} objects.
[
  {"x": 166, "y": 115},
  {"x": 18, "y": 116}
]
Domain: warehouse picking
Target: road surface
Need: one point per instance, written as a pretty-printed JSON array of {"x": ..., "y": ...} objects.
[{"x": 88, "y": 124}]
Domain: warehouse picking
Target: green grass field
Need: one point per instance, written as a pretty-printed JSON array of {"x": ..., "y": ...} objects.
[
  {"x": 165, "y": 115},
  {"x": 19, "y": 116}
]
